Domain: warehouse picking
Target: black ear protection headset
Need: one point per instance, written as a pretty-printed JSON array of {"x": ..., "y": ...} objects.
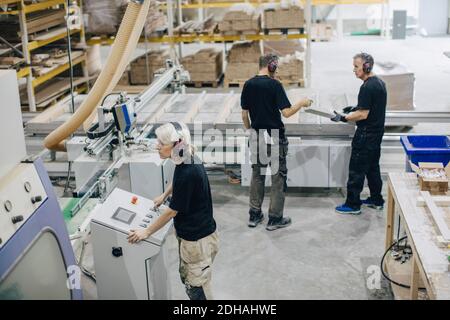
[
  {"x": 367, "y": 62},
  {"x": 273, "y": 64},
  {"x": 179, "y": 131}
]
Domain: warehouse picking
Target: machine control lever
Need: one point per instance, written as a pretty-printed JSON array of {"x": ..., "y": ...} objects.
[
  {"x": 117, "y": 252},
  {"x": 36, "y": 199}
]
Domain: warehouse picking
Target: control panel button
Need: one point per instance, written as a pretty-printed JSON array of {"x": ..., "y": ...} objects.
[
  {"x": 8, "y": 205},
  {"x": 149, "y": 216},
  {"x": 134, "y": 200},
  {"x": 27, "y": 186},
  {"x": 146, "y": 220},
  {"x": 36, "y": 199},
  {"x": 17, "y": 219},
  {"x": 143, "y": 225}
]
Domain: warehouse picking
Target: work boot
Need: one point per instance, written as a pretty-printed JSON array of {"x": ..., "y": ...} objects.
[
  {"x": 256, "y": 217},
  {"x": 278, "y": 223},
  {"x": 371, "y": 204}
]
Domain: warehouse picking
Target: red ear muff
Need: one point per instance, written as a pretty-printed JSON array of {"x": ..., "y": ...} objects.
[{"x": 272, "y": 66}]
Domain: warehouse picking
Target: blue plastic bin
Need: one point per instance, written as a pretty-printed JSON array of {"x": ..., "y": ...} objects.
[{"x": 426, "y": 149}]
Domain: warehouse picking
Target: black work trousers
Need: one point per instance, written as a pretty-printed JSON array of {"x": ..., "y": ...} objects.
[{"x": 365, "y": 162}]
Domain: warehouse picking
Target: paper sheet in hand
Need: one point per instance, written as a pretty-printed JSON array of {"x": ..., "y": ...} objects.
[{"x": 321, "y": 113}]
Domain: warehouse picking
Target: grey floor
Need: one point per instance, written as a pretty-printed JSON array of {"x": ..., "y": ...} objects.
[{"x": 323, "y": 255}]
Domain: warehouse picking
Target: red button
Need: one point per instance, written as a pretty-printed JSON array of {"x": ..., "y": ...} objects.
[{"x": 134, "y": 200}]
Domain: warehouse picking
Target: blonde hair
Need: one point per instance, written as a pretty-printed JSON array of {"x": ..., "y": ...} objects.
[{"x": 168, "y": 134}]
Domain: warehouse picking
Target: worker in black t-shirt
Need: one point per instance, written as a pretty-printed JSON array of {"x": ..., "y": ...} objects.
[
  {"x": 264, "y": 100},
  {"x": 369, "y": 116},
  {"x": 191, "y": 209}
]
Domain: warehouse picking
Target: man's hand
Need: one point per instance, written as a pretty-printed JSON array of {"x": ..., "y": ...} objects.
[
  {"x": 159, "y": 200},
  {"x": 306, "y": 102},
  {"x": 338, "y": 117},
  {"x": 137, "y": 235}
]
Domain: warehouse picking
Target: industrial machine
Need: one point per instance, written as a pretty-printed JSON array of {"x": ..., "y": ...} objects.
[
  {"x": 124, "y": 270},
  {"x": 36, "y": 257}
]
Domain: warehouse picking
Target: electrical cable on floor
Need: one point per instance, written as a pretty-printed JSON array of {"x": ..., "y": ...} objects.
[
  {"x": 382, "y": 263},
  {"x": 88, "y": 274}
]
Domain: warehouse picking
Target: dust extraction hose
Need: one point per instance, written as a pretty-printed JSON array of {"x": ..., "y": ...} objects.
[{"x": 124, "y": 44}]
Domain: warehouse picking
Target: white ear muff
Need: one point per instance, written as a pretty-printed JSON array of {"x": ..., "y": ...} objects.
[{"x": 178, "y": 154}]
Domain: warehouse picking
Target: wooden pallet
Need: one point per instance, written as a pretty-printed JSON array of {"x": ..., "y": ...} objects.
[
  {"x": 320, "y": 39},
  {"x": 298, "y": 82},
  {"x": 201, "y": 84},
  {"x": 233, "y": 83},
  {"x": 284, "y": 31}
]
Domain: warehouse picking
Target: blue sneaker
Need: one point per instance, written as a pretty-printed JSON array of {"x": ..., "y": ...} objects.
[
  {"x": 344, "y": 209},
  {"x": 369, "y": 203}
]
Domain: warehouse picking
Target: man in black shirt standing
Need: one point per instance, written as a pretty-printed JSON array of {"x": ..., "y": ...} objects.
[
  {"x": 369, "y": 116},
  {"x": 190, "y": 207},
  {"x": 264, "y": 100}
]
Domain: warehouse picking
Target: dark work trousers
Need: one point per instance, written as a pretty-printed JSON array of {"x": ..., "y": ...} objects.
[
  {"x": 279, "y": 187},
  {"x": 364, "y": 162}
]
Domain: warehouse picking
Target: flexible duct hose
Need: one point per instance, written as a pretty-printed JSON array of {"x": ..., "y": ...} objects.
[{"x": 124, "y": 44}]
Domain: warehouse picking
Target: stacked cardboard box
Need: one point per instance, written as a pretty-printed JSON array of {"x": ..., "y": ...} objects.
[
  {"x": 287, "y": 14},
  {"x": 283, "y": 47},
  {"x": 138, "y": 71},
  {"x": 321, "y": 32},
  {"x": 204, "y": 66},
  {"x": 399, "y": 85},
  {"x": 242, "y": 61},
  {"x": 290, "y": 68},
  {"x": 241, "y": 18}
]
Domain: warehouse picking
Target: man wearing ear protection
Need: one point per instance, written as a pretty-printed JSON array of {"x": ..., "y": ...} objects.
[
  {"x": 263, "y": 99},
  {"x": 190, "y": 207},
  {"x": 369, "y": 116}
]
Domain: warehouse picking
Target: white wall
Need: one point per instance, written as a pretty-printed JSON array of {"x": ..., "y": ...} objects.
[{"x": 433, "y": 16}]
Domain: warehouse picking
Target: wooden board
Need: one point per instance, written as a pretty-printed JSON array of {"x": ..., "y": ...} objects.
[
  {"x": 438, "y": 216},
  {"x": 423, "y": 235}
]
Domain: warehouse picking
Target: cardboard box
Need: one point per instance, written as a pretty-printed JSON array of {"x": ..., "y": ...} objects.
[
  {"x": 432, "y": 176},
  {"x": 204, "y": 65},
  {"x": 279, "y": 18},
  {"x": 156, "y": 60}
]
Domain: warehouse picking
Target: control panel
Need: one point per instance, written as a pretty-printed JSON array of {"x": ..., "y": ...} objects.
[
  {"x": 124, "y": 211},
  {"x": 21, "y": 193}
]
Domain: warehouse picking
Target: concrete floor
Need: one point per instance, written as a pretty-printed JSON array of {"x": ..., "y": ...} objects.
[{"x": 323, "y": 255}]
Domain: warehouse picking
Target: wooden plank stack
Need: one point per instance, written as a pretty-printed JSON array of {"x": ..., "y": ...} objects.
[
  {"x": 156, "y": 60},
  {"x": 207, "y": 26},
  {"x": 205, "y": 66},
  {"x": 241, "y": 19},
  {"x": 242, "y": 63},
  {"x": 290, "y": 69}
]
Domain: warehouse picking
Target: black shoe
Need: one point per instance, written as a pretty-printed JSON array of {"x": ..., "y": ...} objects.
[
  {"x": 255, "y": 219},
  {"x": 275, "y": 224}
]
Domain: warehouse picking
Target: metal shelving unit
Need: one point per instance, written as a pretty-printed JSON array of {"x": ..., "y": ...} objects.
[{"x": 29, "y": 45}]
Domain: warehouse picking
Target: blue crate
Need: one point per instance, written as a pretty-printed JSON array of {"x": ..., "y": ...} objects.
[{"x": 426, "y": 149}]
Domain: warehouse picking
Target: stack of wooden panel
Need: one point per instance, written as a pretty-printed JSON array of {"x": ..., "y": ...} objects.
[
  {"x": 284, "y": 15},
  {"x": 207, "y": 26},
  {"x": 399, "y": 85},
  {"x": 291, "y": 66},
  {"x": 243, "y": 60},
  {"x": 290, "y": 69},
  {"x": 241, "y": 19},
  {"x": 105, "y": 16},
  {"x": 205, "y": 66},
  {"x": 321, "y": 32},
  {"x": 141, "y": 68}
]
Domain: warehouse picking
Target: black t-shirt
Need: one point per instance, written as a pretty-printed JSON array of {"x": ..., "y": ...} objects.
[
  {"x": 264, "y": 98},
  {"x": 191, "y": 198},
  {"x": 372, "y": 95}
]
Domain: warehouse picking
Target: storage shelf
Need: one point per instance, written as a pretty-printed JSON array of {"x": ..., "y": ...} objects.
[
  {"x": 40, "y": 43},
  {"x": 258, "y": 3},
  {"x": 205, "y": 38},
  {"x": 22, "y": 73},
  {"x": 53, "y": 73},
  {"x": 32, "y": 7}
]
